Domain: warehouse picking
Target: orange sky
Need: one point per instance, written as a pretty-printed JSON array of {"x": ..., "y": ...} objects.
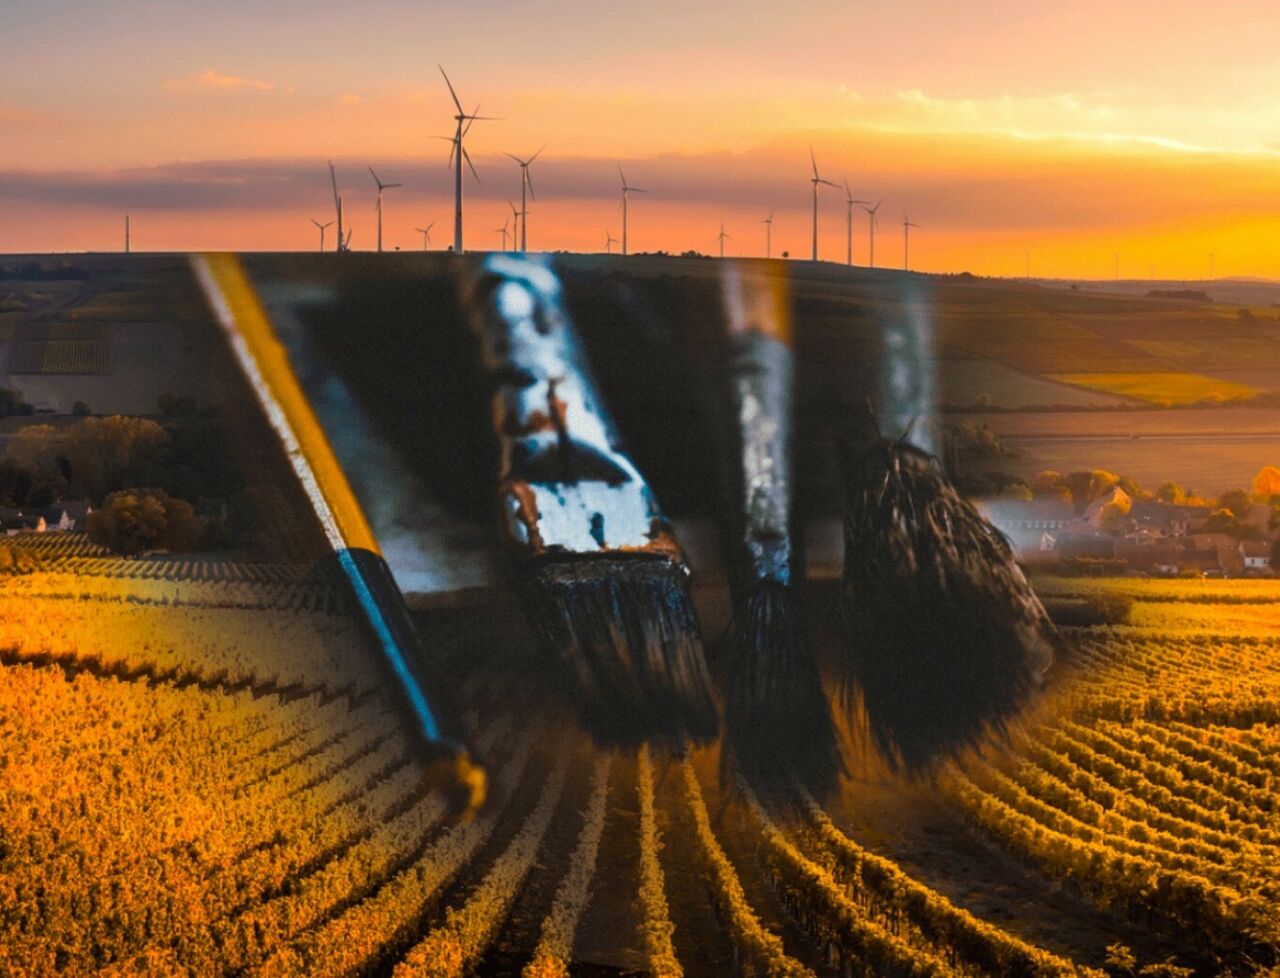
[{"x": 1072, "y": 134}]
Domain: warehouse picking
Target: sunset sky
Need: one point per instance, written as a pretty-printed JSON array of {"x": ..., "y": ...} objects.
[{"x": 1071, "y": 131}]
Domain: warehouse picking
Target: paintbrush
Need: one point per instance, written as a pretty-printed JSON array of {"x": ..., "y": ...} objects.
[
  {"x": 602, "y": 579},
  {"x": 265, "y": 364},
  {"x": 777, "y": 719},
  {"x": 945, "y": 638}
]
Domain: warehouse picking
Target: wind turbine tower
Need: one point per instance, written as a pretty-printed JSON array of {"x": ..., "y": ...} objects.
[
  {"x": 768, "y": 235},
  {"x": 321, "y": 227},
  {"x": 871, "y": 211},
  {"x": 849, "y": 202},
  {"x": 815, "y": 180},
  {"x": 381, "y": 187},
  {"x": 626, "y": 189},
  {"x": 457, "y": 155},
  {"x": 907, "y": 225},
  {"x": 343, "y": 237},
  {"x": 126, "y": 234},
  {"x": 526, "y": 185}
]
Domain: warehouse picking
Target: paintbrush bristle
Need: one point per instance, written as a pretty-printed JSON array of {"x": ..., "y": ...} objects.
[
  {"x": 778, "y": 722},
  {"x": 944, "y": 634},
  {"x": 626, "y": 635}
]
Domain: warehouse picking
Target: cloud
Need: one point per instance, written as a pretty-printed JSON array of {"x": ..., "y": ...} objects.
[
  {"x": 211, "y": 80},
  {"x": 958, "y": 183}
]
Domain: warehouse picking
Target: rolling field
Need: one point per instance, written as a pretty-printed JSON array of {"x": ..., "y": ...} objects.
[
  {"x": 195, "y": 782},
  {"x": 1161, "y": 388}
]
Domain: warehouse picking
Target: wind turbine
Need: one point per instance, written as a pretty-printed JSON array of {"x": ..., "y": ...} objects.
[
  {"x": 768, "y": 235},
  {"x": 626, "y": 189},
  {"x": 503, "y": 231},
  {"x": 526, "y": 184},
  {"x": 381, "y": 187},
  {"x": 722, "y": 237},
  {"x": 321, "y": 227},
  {"x": 815, "y": 180},
  {"x": 517, "y": 222},
  {"x": 426, "y": 234},
  {"x": 907, "y": 225},
  {"x": 871, "y": 263},
  {"x": 609, "y": 242},
  {"x": 344, "y": 238},
  {"x": 457, "y": 155},
  {"x": 849, "y": 202}
]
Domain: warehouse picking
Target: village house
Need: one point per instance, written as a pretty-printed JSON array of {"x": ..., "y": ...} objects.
[{"x": 1256, "y": 555}]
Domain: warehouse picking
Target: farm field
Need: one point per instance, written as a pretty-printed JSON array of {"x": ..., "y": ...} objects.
[
  {"x": 1161, "y": 388},
  {"x": 240, "y": 752},
  {"x": 1212, "y": 450}
]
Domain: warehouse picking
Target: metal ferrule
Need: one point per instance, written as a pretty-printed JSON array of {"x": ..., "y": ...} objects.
[
  {"x": 760, "y": 370},
  {"x": 566, "y": 485}
]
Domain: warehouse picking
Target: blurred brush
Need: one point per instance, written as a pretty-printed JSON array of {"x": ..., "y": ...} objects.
[
  {"x": 356, "y": 558},
  {"x": 944, "y": 635},
  {"x": 777, "y": 719},
  {"x": 603, "y": 581}
]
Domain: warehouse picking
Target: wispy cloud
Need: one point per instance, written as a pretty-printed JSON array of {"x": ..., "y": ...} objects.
[{"x": 216, "y": 81}]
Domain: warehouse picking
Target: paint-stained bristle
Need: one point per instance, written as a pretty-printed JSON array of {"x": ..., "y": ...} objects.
[
  {"x": 778, "y": 722},
  {"x": 943, "y": 633},
  {"x": 625, "y": 632}
]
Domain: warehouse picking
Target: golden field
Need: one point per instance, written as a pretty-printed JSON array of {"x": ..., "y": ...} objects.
[
  {"x": 192, "y": 782},
  {"x": 1161, "y": 388}
]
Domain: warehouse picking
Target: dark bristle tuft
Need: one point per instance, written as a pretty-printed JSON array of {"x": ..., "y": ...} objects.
[
  {"x": 626, "y": 635},
  {"x": 778, "y": 724},
  {"x": 944, "y": 635}
]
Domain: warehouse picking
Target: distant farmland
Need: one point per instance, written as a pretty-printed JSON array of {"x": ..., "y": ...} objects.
[{"x": 1161, "y": 388}]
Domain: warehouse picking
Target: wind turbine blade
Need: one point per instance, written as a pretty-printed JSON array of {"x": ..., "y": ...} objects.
[
  {"x": 638, "y": 190},
  {"x": 830, "y": 184},
  {"x": 375, "y": 178},
  {"x": 623, "y": 175},
  {"x": 428, "y": 228},
  {"x": 388, "y": 186},
  {"x": 529, "y": 180},
  {"x": 538, "y": 153},
  {"x": 467, "y": 156},
  {"x": 451, "y": 91},
  {"x": 814, "y": 161},
  {"x": 848, "y": 193},
  {"x": 514, "y": 157}
]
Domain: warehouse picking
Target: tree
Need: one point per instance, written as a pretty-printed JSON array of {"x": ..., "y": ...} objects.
[
  {"x": 1266, "y": 483},
  {"x": 1086, "y": 486},
  {"x": 106, "y": 453},
  {"x": 133, "y": 521},
  {"x": 1171, "y": 492},
  {"x": 1237, "y": 501}
]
